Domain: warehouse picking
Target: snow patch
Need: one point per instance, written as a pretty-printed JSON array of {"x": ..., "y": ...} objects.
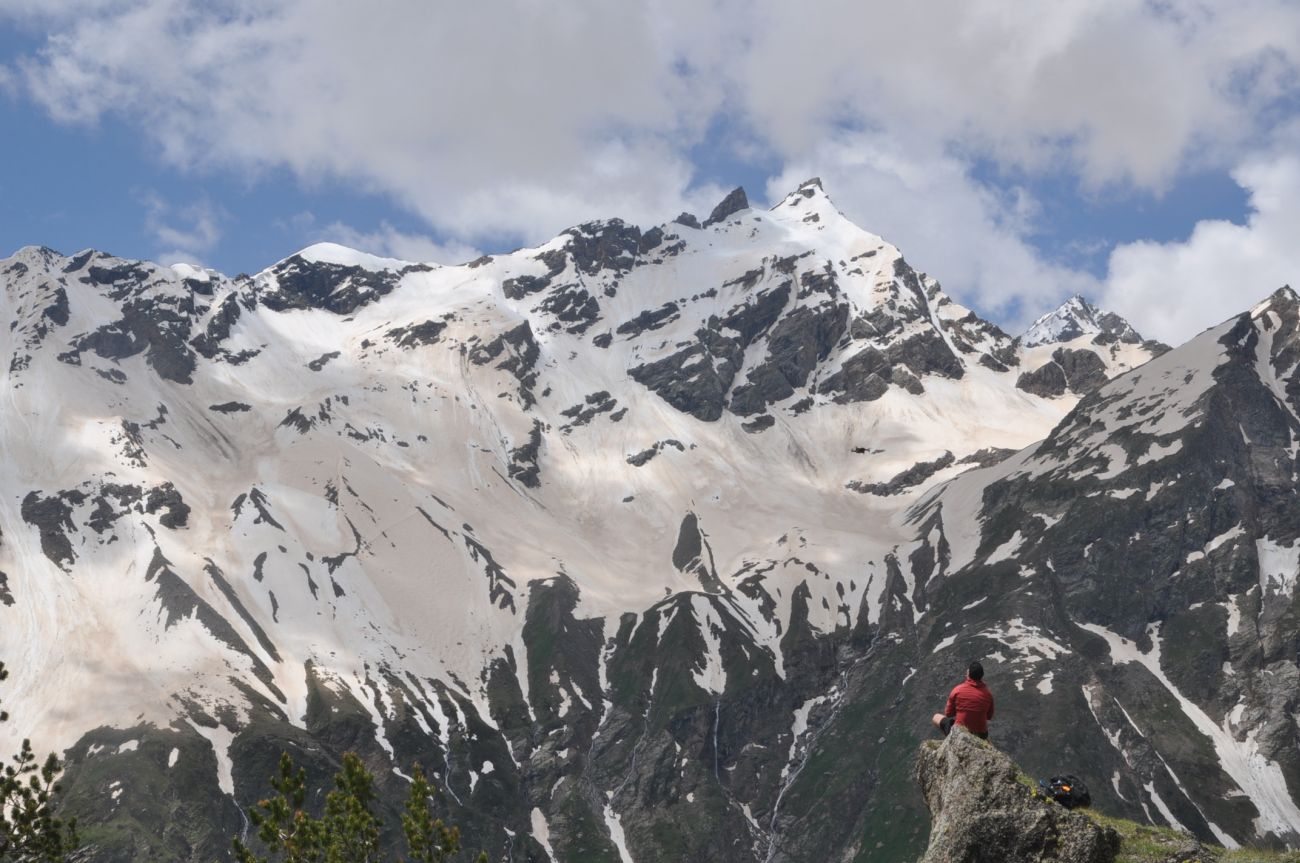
[
  {"x": 1259, "y": 778},
  {"x": 1164, "y": 810},
  {"x": 333, "y": 253},
  {"x": 710, "y": 675},
  {"x": 1006, "y": 549},
  {"x": 616, "y": 834},
  {"x": 1279, "y": 567},
  {"x": 219, "y": 739},
  {"x": 542, "y": 833},
  {"x": 946, "y": 643}
]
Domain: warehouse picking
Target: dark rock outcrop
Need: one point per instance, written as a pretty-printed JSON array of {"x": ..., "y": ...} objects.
[
  {"x": 1078, "y": 370},
  {"x": 523, "y": 458},
  {"x": 303, "y": 284},
  {"x": 735, "y": 201},
  {"x": 908, "y": 479},
  {"x": 981, "y": 814}
]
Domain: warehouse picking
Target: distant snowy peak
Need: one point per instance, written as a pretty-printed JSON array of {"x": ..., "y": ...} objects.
[
  {"x": 1077, "y": 317},
  {"x": 333, "y": 253},
  {"x": 1077, "y": 348}
]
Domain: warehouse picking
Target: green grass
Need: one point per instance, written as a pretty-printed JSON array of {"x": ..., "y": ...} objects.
[{"x": 1143, "y": 843}]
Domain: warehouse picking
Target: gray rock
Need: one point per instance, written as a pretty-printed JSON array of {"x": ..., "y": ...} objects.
[
  {"x": 728, "y": 206},
  {"x": 1048, "y": 380},
  {"x": 795, "y": 345},
  {"x": 987, "y": 457},
  {"x": 611, "y": 245},
  {"x": 521, "y": 286},
  {"x": 321, "y": 361},
  {"x": 523, "y": 458},
  {"x": 521, "y": 355},
  {"x": 910, "y": 478},
  {"x": 692, "y": 554},
  {"x": 1083, "y": 369},
  {"x": 415, "y": 335},
  {"x": 694, "y": 380},
  {"x": 981, "y": 814},
  {"x": 575, "y": 310},
  {"x": 650, "y": 319},
  {"x": 1075, "y": 369},
  {"x": 303, "y": 284}
]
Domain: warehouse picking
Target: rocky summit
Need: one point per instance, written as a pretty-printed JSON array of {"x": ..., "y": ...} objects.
[
  {"x": 981, "y": 812},
  {"x": 646, "y": 544}
]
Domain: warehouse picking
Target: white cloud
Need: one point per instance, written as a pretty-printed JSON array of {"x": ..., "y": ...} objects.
[
  {"x": 512, "y": 118},
  {"x": 508, "y": 121},
  {"x": 389, "y": 242},
  {"x": 1171, "y": 291},
  {"x": 590, "y": 104},
  {"x": 185, "y": 232},
  {"x": 1123, "y": 90}
]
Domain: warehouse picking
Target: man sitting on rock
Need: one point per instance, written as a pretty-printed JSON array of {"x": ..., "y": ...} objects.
[{"x": 970, "y": 705}]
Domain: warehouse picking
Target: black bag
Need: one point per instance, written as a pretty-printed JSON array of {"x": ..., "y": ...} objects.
[{"x": 1069, "y": 791}]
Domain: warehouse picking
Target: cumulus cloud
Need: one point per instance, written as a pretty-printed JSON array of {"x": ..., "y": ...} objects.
[
  {"x": 1121, "y": 90},
  {"x": 506, "y": 122},
  {"x": 389, "y": 242},
  {"x": 183, "y": 233},
  {"x": 507, "y": 118},
  {"x": 1178, "y": 289}
]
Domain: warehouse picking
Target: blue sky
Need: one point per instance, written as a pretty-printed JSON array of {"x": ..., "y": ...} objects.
[{"x": 1142, "y": 156}]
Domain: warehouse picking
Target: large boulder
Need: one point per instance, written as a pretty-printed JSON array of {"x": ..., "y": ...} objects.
[{"x": 981, "y": 814}]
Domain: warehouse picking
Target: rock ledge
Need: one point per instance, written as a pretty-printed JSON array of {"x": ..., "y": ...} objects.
[{"x": 981, "y": 814}]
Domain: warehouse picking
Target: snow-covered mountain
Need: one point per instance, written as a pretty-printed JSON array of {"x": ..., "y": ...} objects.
[
  {"x": 648, "y": 544},
  {"x": 1077, "y": 317},
  {"x": 1077, "y": 348}
]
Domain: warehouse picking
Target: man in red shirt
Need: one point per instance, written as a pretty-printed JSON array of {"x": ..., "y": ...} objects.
[{"x": 970, "y": 705}]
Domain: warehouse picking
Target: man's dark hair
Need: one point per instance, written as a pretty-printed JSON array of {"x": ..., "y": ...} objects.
[{"x": 975, "y": 670}]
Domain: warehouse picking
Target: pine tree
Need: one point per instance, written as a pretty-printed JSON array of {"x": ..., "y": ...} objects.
[
  {"x": 348, "y": 830},
  {"x": 428, "y": 839},
  {"x": 30, "y": 832},
  {"x": 284, "y": 828}
]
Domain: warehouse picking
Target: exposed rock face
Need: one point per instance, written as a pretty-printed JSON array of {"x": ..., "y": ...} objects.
[
  {"x": 1073, "y": 369},
  {"x": 910, "y": 478},
  {"x": 735, "y": 201},
  {"x": 981, "y": 814}
]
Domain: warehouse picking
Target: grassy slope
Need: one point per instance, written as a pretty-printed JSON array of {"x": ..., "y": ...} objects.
[
  {"x": 1146, "y": 844},
  {"x": 1143, "y": 843}
]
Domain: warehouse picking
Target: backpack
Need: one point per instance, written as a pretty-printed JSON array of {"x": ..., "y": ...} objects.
[{"x": 1069, "y": 791}]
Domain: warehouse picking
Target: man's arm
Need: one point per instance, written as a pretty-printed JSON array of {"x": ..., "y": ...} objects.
[{"x": 951, "y": 708}]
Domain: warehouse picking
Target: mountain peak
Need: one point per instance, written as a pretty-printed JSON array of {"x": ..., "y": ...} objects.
[
  {"x": 334, "y": 253},
  {"x": 810, "y": 188},
  {"x": 1078, "y": 317},
  {"x": 40, "y": 255},
  {"x": 1283, "y": 297},
  {"x": 735, "y": 201}
]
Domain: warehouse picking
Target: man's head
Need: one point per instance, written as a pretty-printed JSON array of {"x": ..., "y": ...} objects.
[{"x": 975, "y": 671}]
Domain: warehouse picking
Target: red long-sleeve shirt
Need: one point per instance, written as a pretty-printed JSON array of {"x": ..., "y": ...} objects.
[{"x": 972, "y": 704}]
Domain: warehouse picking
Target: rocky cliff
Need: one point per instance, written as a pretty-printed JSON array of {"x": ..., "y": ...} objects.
[{"x": 981, "y": 813}]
